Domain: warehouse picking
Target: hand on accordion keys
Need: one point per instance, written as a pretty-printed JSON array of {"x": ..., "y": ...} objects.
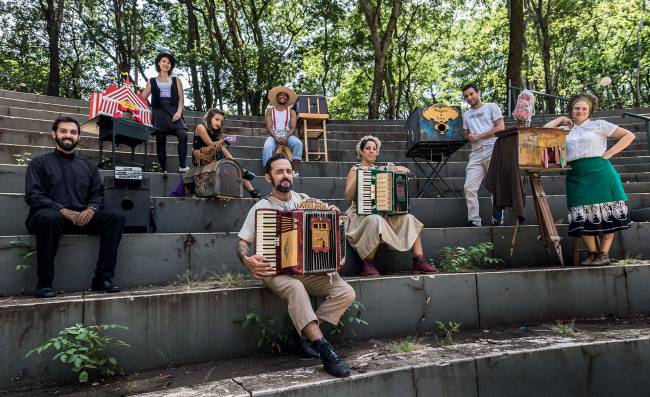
[{"x": 258, "y": 267}]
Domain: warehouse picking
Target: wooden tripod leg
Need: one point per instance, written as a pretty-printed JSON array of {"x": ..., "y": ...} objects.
[{"x": 544, "y": 217}]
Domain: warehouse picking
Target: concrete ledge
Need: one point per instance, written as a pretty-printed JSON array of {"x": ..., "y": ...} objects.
[
  {"x": 158, "y": 259},
  {"x": 178, "y": 326},
  {"x": 214, "y": 215},
  {"x": 608, "y": 366}
]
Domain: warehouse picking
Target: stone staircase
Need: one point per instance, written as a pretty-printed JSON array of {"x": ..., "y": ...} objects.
[{"x": 172, "y": 324}]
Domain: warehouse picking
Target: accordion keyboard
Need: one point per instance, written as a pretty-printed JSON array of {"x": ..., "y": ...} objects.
[
  {"x": 365, "y": 190},
  {"x": 267, "y": 239}
]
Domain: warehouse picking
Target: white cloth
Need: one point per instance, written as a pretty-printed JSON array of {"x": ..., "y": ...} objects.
[
  {"x": 247, "y": 231},
  {"x": 479, "y": 162},
  {"x": 481, "y": 120},
  {"x": 588, "y": 139},
  {"x": 281, "y": 121},
  {"x": 165, "y": 89}
]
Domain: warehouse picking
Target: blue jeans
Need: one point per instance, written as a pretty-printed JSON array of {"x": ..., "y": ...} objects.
[{"x": 269, "y": 148}]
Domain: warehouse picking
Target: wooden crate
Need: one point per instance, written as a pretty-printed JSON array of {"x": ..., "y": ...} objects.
[{"x": 531, "y": 144}]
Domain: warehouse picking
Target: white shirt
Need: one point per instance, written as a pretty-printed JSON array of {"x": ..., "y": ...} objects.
[
  {"x": 588, "y": 139},
  {"x": 247, "y": 231},
  {"x": 281, "y": 121},
  {"x": 481, "y": 120},
  {"x": 165, "y": 89}
]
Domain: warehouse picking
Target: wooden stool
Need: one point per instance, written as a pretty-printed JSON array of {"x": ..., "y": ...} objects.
[{"x": 315, "y": 129}]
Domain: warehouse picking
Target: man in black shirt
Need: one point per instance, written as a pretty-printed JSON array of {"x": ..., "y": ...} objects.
[{"x": 65, "y": 195}]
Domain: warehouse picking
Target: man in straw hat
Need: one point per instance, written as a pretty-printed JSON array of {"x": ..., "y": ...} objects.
[{"x": 281, "y": 125}]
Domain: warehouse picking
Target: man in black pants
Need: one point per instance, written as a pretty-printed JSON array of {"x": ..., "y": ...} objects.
[{"x": 65, "y": 195}]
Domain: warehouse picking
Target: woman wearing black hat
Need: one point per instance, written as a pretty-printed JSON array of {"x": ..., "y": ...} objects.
[{"x": 167, "y": 107}]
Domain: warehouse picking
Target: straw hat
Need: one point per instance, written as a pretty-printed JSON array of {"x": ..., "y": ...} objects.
[{"x": 273, "y": 95}]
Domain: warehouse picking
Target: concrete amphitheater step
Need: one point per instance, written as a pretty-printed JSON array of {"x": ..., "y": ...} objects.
[
  {"x": 35, "y": 138},
  {"x": 232, "y": 127},
  {"x": 465, "y": 369},
  {"x": 13, "y": 178},
  {"x": 175, "y": 326},
  {"x": 182, "y": 258},
  {"x": 251, "y": 146},
  {"x": 339, "y": 168},
  {"x": 208, "y": 215}
]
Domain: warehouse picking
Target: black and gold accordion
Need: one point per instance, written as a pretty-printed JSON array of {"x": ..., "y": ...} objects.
[
  {"x": 382, "y": 192},
  {"x": 301, "y": 241}
]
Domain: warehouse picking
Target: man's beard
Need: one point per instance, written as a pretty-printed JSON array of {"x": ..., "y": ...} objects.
[
  {"x": 283, "y": 189},
  {"x": 67, "y": 146}
]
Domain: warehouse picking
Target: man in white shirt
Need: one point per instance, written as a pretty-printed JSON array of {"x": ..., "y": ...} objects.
[
  {"x": 480, "y": 123},
  {"x": 296, "y": 290},
  {"x": 281, "y": 126}
]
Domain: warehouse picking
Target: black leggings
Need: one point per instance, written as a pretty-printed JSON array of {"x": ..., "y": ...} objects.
[{"x": 161, "y": 150}]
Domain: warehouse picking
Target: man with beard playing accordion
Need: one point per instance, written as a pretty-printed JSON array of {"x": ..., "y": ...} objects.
[{"x": 297, "y": 288}]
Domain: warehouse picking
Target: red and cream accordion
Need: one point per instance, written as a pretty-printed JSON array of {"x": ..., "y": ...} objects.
[
  {"x": 301, "y": 241},
  {"x": 382, "y": 192}
]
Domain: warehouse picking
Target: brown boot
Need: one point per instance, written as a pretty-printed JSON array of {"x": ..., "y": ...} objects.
[
  {"x": 420, "y": 265},
  {"x": 601, "y": 259},
  {"x": 591, "y": 256}
]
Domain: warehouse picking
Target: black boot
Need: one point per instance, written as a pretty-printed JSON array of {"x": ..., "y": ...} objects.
[
  {"x": 303, "y": 347},
  {"x": 255, "y": 193},
  {"x": 331, "y": 361}
]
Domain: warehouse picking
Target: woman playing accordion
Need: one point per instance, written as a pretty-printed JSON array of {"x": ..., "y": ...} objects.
[{"x": 366, "y": 232}]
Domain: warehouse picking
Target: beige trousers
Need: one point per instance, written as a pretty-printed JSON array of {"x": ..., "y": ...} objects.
[{"x": 296, "y": 290}]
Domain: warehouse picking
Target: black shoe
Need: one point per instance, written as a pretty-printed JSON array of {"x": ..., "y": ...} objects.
[
  {"x": 46, "y": 292},
  {"x": 331, "y": 361},
  {"x": 104, "y": 286},
  {"x": 255, "y": 193},
  {"x": 249, "y": 176},
  {"x": 303, "y": 347}
]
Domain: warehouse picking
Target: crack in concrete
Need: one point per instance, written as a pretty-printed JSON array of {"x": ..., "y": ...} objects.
[
  {"x": 241, "y": 384},
  {"x": 627, "y": 292},
  {"x": 478, "y": 302}
]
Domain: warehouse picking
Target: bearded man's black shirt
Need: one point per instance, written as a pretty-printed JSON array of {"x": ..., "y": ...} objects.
[{"x": 58, "y": 180}]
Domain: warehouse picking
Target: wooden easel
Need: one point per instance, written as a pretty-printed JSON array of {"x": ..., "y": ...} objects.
[
  {"x": 533, "y": 158},
  {"x": 545, "y": 222}
]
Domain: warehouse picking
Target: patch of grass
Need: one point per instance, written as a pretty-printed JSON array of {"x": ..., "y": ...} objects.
[
  {"x": 405, "y": 345},
  {"x": 563, "y": 329},
  {"x": 228, "y": 280},
  {"x": 23, "y": 158},
  {"x": 630, "y": 260}
]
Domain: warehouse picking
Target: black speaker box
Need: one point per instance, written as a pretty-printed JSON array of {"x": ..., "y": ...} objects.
[{"x": 132, "y": 202}]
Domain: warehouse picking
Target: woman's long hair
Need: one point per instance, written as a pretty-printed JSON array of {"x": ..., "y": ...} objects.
[{"x": 207, "y": 121}]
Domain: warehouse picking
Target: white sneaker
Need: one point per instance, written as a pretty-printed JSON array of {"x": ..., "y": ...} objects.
[
  {"x": 295, "y": 174},
  {"x": 182, "y": 170}
]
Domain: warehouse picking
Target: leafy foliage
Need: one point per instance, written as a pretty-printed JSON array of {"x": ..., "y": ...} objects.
[
  {"x": 459, "y": 259},
  {"x": 28, "y": 251},
  {"x": 272, "y": 332},
  {"x": 448, "y": 330},
  {"x": 323, "y": 47},
  {"x": 85, "y": 349},
  {"x": 350, "y": 319}
]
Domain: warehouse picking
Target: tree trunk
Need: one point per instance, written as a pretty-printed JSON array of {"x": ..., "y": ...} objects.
[
  {"x": 380, "y": 44},
  {"x": 53, "y": 14},
  {"x": 516, "y": 45},
  {"x": 192, "y": 51}
]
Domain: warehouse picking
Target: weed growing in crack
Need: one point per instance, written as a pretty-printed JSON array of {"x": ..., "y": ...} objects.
[{"x": 448, "y": 330}]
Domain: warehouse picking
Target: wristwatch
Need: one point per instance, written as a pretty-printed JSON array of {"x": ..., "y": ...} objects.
[{"x": 93, "y": 207}]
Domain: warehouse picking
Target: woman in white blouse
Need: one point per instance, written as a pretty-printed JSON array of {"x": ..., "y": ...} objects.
[{"x": 595, "y": 197}]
